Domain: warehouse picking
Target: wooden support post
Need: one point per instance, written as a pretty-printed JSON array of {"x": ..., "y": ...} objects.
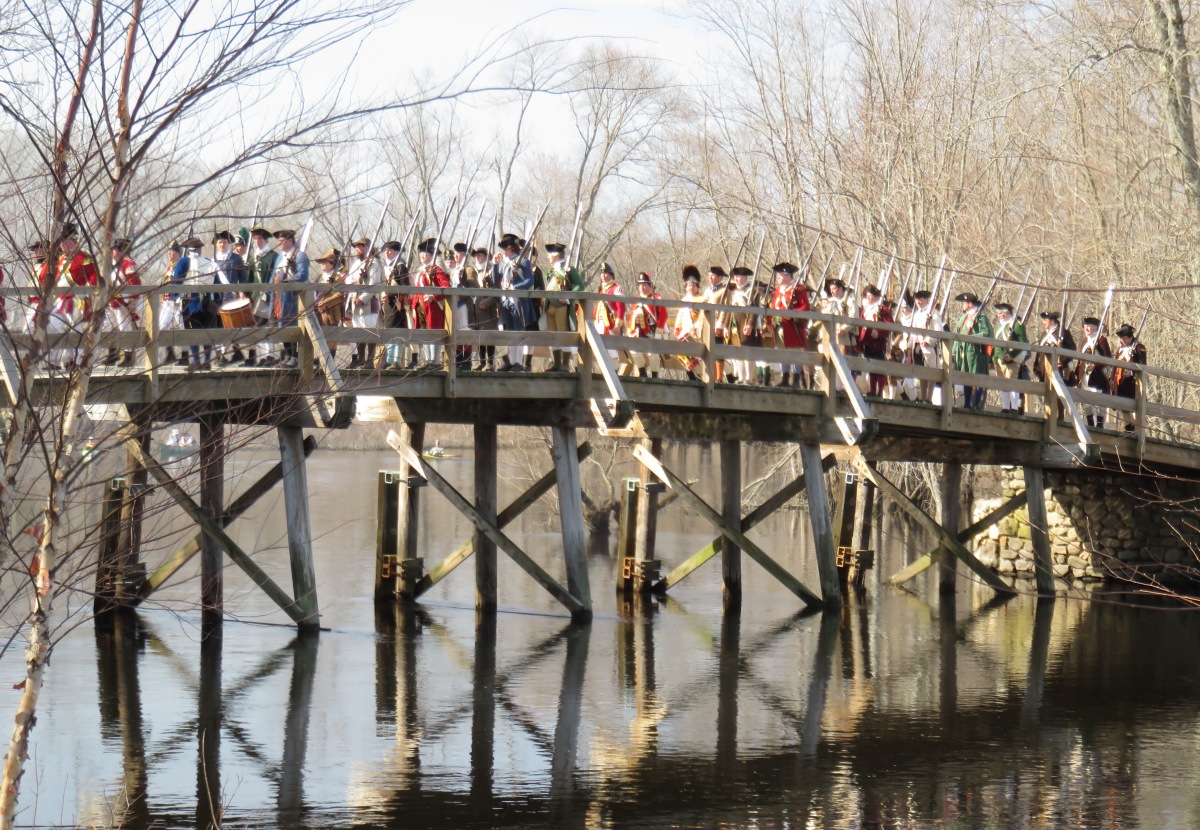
[
  {"x": 818, "y": 512},
  {"x": 710, "y": 362},
  {"x": 212, "y": 501},
  {"x": 717, "y": 520},
  {"x": 922, "y": 564},
  {"x": 570, "y": 503},
  {"x": 844, "y": 522},
  {"x": 300, "y": 548},
  {"x": 486, "y": 578},
  {"x": 729, "y": 662},
  {"x": 408, "y": 508},
  {"x": 627, "y": 526},
  {"x": 864, "y": 554},
  {"x": 240, "y": 505},
  {"x": 1039, "y": 531},
  {"x": 646, "y": 567},
  {"x": 132, "y": 573},
  {"x": 948, "y": 540},
  {"x": 386, "y": 524},
  {"x": 950, "y": 493},
  {"x": 731, "y": 512},
  {"x": 152, "y": 322},
  {"x": 108, "y": 569}
]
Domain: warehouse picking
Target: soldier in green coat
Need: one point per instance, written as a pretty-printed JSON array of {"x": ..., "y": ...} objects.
[
  {"x": 260, "y": 262},
  {"x": 1010, "y": 363},
  {"x": 559, "y": 312},
  {"x": 971, "y": 358}
]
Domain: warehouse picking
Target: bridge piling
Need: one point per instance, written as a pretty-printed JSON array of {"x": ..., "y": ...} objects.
[
  {"x": 1039, "y": 531},
  {"x": 574, "y": 534},
  {"x": 485, "y": 502},
  {"x": 386, "y": 524},
  {"x": 950, "y": 493},
  {"x": 408, "y": 510},
  {"x": 132, "y": 572},
  {"x": 731, "y": 510},
  {"x": 299, "y": 525},
  {"x": 646, "y": 567},
  {"x": 108, "y": 571},
  {"x": 212, "y": 505},
  {"x": 822, "y": 529}
]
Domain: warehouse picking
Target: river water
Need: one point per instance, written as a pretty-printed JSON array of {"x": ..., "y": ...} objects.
[{"x": 901, "y": 711}]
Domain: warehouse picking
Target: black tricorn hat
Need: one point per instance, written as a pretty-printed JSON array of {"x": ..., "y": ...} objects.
[
  {"x": 263, "y": 232},
  {"x": 223, "y": 236},
  {"x": 690, "y": 271},
  {"x": 1051, "y": 315},
  {"x": 967, "y": 297},
  {"x": 68, "y": 230},
  {"x": 871, "y": 291},
  {"x": 36, "y": 244},
  {"x": 1002, "y": 306},
  {"x": 907, "y": 300},
  {"x": 479, "y": 252},
  {"x": 718, "y": 270},
  {"x": 192, "y": 242},
  {"x": 1125, "y": 331},
  {"x": 427, "y": 247},
  {"x": 392, "y": 245},
  {"x": 1091, "y": 321},
  {"x": 922, "y": 295},
  {"x": 785, "y": 268},
  {"x": 742, "y": 271},
  {"x": 460, "y": 247},
  {"x": 121, "y": 244},
  {"x": 829, "y": 283},
  {"x": 286, "y": 233},
  {"x": 510, "y": 241},
  {"x": 555, "y": 248}
]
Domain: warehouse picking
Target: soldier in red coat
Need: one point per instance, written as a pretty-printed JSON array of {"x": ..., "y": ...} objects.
[
  {"x": 790, "y": 333},
  {"x": 430, "y": 308},
  {"x": 646, "y": 319},
  {"x": 75, "y": 268},
  {"x": 123, "y": 312}
]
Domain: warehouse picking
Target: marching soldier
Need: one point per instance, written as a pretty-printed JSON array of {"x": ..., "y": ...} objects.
[
  {"x": 260, "y": 263},
  {"x": 123, "y": 313},
  {"x": 741, "y": 329},
  {"x": 1125, "y": 381},
  {"x": 646, "y": 319},
  {"x": 362, "y": 308},
  {"x": 609, "y": 316},
  {"x": 170, "y": 308},
  {"x": 790, "y": 332},
  {"x": 872, "y": 343},
  {"x": 393, "y": 309},
  {"x": 487, "y": 310},
  {"x": 463, "y": 274},
  {"x": 971, "y": 358},
  {"x": 1093, "y": 376},
  {"x": 75, "y": 268},
  {"x": 291, "y": 266},
  {"x": 689, "y": 323},
  {"x": 900, "y": 351},
  {"x": 514, "y": 272},
  {"x": 431, "y": 311},
  {"x": 1010, "y": 363},
  {"x": 558, "y": 312},
  {"x": 1053, "y": 334},
  {"x": 230, "y": 270},
  {"x": 925, "y": 348},
  {"x": 717, "y": 293},
  {"x": 840, "y": 304}
]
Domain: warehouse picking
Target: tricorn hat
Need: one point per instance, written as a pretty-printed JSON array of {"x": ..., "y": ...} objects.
[
  {"x": 427, "y": 247},
  {"x": 871, "y": 291},
  {"x": 1003, "y": 306},
  {"x": 68, "y": 230},
  {"x": 785, "y": 268},
  {"x": 223, "y": 236},
  {"x": 460, "y": 247},
  {"x": 1050, "y": 315},
  {"x": 555, "y": 248},
  {"x": 37, "y": 244},
  {"x": 286, "y": 233},
  {"x": 1091, "y": 321},
  {"x": 690, "y": 271},
  {"x": 830, "y": 283},
  {"x": 1125, "y": 331},
  {"x": 362, "y": 240},
  {"x": 967, "y": 297},
  {"x": 742, "y": 271},
  {"x": 922, "y": 295},
  {"x": 907, "y": 300},
  {"x": 718, "y": 270},
  {"x": 121, "y": 244},
  {"x": 510, "y": 241},
  {"x": 392, "y": 245},
  {"x": 192, "y": 242},
  {"x": 263, "y": 232},
  {"x": 330, "y": 256},
  {"x": 479, "y": 252}
]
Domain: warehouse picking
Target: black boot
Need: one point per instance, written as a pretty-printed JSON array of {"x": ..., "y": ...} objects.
[
  {"x": 654, "y": 374},
  {"x": 505, "y": 364},
  {"x": 126, "y": 360},
  {"x": 786, "y": 380},
  {"x": 528, "y": 363},
  {"x": 110, "y": 358},
  {"x": 692, "y": 375}
]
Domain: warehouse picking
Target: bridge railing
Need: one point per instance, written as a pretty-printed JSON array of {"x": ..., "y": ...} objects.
[{"x": 1158, "y": 411}]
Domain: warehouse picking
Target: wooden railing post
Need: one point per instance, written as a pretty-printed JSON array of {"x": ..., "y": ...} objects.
[
  {"x": 1139, "y": 425},
  {"x": 710, "y": 363}
]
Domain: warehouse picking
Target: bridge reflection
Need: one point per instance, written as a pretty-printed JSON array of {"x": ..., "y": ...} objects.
[{"x": 832, "y": 720}]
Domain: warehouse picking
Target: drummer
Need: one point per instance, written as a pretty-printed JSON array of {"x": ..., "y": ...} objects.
[
  {"x": 328, "y": 263},
  {"x": 230, "y": 270}
]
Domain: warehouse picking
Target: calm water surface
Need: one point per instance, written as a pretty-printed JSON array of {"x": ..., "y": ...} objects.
[{"x": 901, "y": 711}]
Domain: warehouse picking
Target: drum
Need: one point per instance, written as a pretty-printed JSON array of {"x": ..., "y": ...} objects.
[
  {"x": 236, "y": 314},
  {"x": 329, "y": 309}
]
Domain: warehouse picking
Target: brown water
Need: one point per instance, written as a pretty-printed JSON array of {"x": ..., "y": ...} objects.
[{"x": 901, "y": 711}]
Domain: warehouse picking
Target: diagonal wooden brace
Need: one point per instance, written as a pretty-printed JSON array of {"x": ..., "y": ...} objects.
[
  {"x": 949, "y": 540},
  {"x": 749, "y": 521},
  {"x": 737, "y": 537},
  {"x": 414, "y": 460},
  {"x": 216, "y": 533},
  {"x": 236, "y": 508},
  {"x": 923, "y": 564},
  {"x": 520, "y": 504}
]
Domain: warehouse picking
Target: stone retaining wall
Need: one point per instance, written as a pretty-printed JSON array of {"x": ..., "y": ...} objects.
[{"x": 1103, "y": 526}]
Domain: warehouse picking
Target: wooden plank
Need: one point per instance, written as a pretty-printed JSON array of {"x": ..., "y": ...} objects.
[
  {"x": 1039, "y": 531},
  {"x": 708, "y": 336},
  {"x": 299, "y": 525},
  {"x": 486, "y": 578},
  {"x": 950, "y": 496},
  {"x": 570, "y": 503},
  {"x": 752, "y": 550},
  {"x": 213, "y": 531},
  {"x": 645, "y": 537},
  {"x": 1139, "y": 424},
  {"x": 387, "y": 522},
  {"x": 602, "y": 361},
  {"x": 731, "y": 512},
  {"x": 151, "y": 324},
  {"x": 408, "y": 508},
  {"x": 239, "y": 506},
  {"x": 923, "y": 563},
  {"x": 1072, "y": 411},
  {"x": 922, "y": 518},
  {"x": 509, "y": 514},
  {"x": 818, "y": 512},
  {"x": 505, "y": 544},
  {"x": 834, "y": 355}
]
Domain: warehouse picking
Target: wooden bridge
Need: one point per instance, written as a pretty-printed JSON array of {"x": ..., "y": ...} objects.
[{"x": 830, "y": 421}]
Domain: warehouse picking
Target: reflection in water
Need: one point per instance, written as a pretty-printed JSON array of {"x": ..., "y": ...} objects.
[{"x": 211, "y": 710}]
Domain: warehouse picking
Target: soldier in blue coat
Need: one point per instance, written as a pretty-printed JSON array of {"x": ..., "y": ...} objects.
[{"x": 514, "y": 273}]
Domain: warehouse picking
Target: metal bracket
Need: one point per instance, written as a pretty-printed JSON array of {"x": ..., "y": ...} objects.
[
  {"x": 844, "y": 555},
  {"x": 413, "y": 482},
  {"x": 656, "y": 487}
]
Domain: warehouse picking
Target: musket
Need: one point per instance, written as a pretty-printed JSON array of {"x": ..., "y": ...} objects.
[
  {"x": 758, "y": 259},
  {"x": 1062, "y": 314},
  {"x": 532, "y": 230},
  {"x": 886, "y": 279},
  {"x": 1108, "y": 298},
  {"x": 812, "y": 250},
  {"x": 907, "y": 279},
  {"x": 437, "y": 240},
  {"x": 856, "y": 272},
  {"x": 474, "y": 235},
  {"x": 824, "y": 271},
  {"x": 373, "y": 239},
  {"x": 1138, "y": 331},
  {"x": 946, "y": 296},
  {"x": 1021, "y": 315},
  {"x": 1024, "y": 287},
  {"x": 574, "y": 232},
  {"x": 937, "y": 280},
  {"x": 1071, "y": 317},
  {"x": 991, "y": 288},
  {"x": 738, "y": 257}
]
